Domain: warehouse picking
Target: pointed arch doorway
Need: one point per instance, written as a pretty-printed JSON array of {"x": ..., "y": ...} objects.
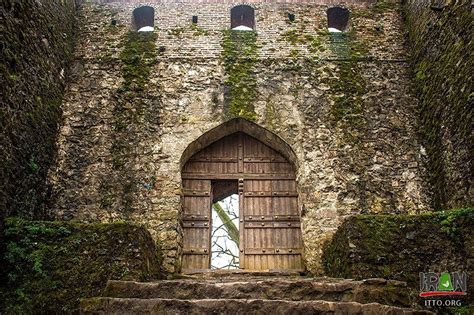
[{"x": 232, "y": 160}]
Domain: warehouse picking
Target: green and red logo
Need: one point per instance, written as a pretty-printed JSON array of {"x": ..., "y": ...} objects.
[{"x": 445, "y": 284}]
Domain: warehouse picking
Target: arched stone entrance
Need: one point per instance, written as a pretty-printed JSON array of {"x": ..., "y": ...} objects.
[{"x": 240, "y": 157}]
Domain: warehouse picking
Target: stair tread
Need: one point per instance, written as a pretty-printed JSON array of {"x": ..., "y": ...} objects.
[
  {"x": 224, "y": 306},
  {"x": 267, "y": 280},
  {"x": 302, "y": 289}
]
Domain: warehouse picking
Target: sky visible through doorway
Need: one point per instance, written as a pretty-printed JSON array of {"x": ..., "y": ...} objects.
[{"x": 225, "y": 234}]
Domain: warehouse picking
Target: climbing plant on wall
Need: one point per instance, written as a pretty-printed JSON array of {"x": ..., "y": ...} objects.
[
  {"x": 239, "y": 56},
  {"x": 137, "y": 57}
]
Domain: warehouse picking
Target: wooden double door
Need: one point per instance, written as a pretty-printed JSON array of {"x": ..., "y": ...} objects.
[{"x": 269, "y": 220}]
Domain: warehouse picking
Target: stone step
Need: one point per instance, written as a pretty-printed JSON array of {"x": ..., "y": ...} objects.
[
  {"x": 106, "y": 305},
  {"x": 242, "y": 273},
  {"x": 381, "y": 291}
]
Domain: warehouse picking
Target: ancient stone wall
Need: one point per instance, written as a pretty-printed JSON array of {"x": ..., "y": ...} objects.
[
  {"x": 343, "y": 103},
  {"x": 401, "y": 246},
  {"x": 440, "y": 35},
  {"x": 52, "y": 265},
  {"x": 36, "y": 42},
  {"x": 235, "y": 2}
]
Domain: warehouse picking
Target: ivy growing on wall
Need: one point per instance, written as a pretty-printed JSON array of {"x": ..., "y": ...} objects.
[
  {"x": 138, "y": 56},
  {"x": 239, "y": 56}
]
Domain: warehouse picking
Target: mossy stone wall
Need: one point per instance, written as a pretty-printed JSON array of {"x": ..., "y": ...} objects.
[
  {"x": 51, "y": 265},
  {"x": 343, "y": 103},
  {"x": 441, "y": 45},
  {"x": 239, "y": 55},
  {"x": 400, "y": 246},
  {"x": 36, "y": 43}
]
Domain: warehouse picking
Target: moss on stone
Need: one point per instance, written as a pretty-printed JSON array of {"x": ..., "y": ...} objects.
[
  {"x": 441, "y": 46},
  {"x": 34, "y": 59},
  {"x": 271, "y": 115},
  {"x": 199, "y": 31},
  {"x": 375, "y": 10},
  {"x": 51, "y": 265},
  {"x": 137, "y": 57},
  {"x": 177, "y": 32},
  {"x": 400, "y": 246},
  {"x": 293, "y": 36},
  {"x": 239, "y": 56},
  {"x": 382, "y": 6},
  {"x": 182, "y": 32},
  {"x": 298, "y": 36},
  {"x": 347, "y": 109},
  {"x": 390, "y": 293}
]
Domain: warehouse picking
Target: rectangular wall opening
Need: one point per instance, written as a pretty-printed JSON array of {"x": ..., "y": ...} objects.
[{"x": 225, "y": 234}]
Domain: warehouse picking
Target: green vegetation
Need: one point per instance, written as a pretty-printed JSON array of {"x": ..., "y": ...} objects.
[
  {"x": 451, "y": 221},
  {"x": 239, "y": 56},
  {"x": 176, "y": 31},
  {"x": 347, "y": 88},
  {"x": 138, "y": 57},
  {"x": 51, "y": 265},
  {"x": 443, "y": 77},
  {"x": 375, "y": 10},
  {"x": 342, "y": 45},
  {"x": 181, "y": 32},
  {"x": 298, "y": 36},
  {"x": 199, "y": 31},
  {"x": 32, "y": 93},
  {"x": 382, "y": 6},
  {"x": 399, "y": 246},
  {"x": 271, "y": 115}
]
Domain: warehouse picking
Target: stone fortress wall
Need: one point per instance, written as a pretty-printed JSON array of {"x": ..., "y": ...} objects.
[
  {"x": 440, "y": 38},
  {"x": 344, "y": 104},
  {"x": 36, "y": 45}
]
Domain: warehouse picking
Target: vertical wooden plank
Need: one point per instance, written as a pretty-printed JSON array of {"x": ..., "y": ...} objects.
[
  {"x": 270, "y": 259},
  {"x": 209, "y": 230},
  {"x": 197, "y": 237},
  {"x": 242, "y": 261},
  {"x": 254, "y": 232},
  {"x": 241, "y": 153},
  {"x": 288, "y": 239}
]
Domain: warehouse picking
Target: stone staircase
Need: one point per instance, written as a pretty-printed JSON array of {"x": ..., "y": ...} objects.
[{"x": 244, "y": 294}]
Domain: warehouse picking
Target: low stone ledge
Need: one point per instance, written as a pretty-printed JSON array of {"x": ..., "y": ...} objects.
[
  {"x": 51, "y": 265},
  {"x": 399, "y": 247}
]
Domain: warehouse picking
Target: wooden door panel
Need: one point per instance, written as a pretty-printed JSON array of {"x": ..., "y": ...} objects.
[
  {"x": 284, "y": 185},
  {"x": 197, "y": 166},
  {"x": 290, "y": 237},
  {"x": 196, "y": 185},
  {"x": 255, "y": 148},
  {"x": 270, "y": 228},
  {"x": 267, "y": 168},
  {"x": 196, "y": 205},
  {"x": 272, "y": 231},
  {"x": 254, "y": 208},
  {"x": 196, "y": 224}
]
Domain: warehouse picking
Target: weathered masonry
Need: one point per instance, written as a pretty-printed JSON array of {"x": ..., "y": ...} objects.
[
  {"x": 270, "y": 229},
  {"x": 334, "y": 109},
  {"x": 301, "y": 114}
]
